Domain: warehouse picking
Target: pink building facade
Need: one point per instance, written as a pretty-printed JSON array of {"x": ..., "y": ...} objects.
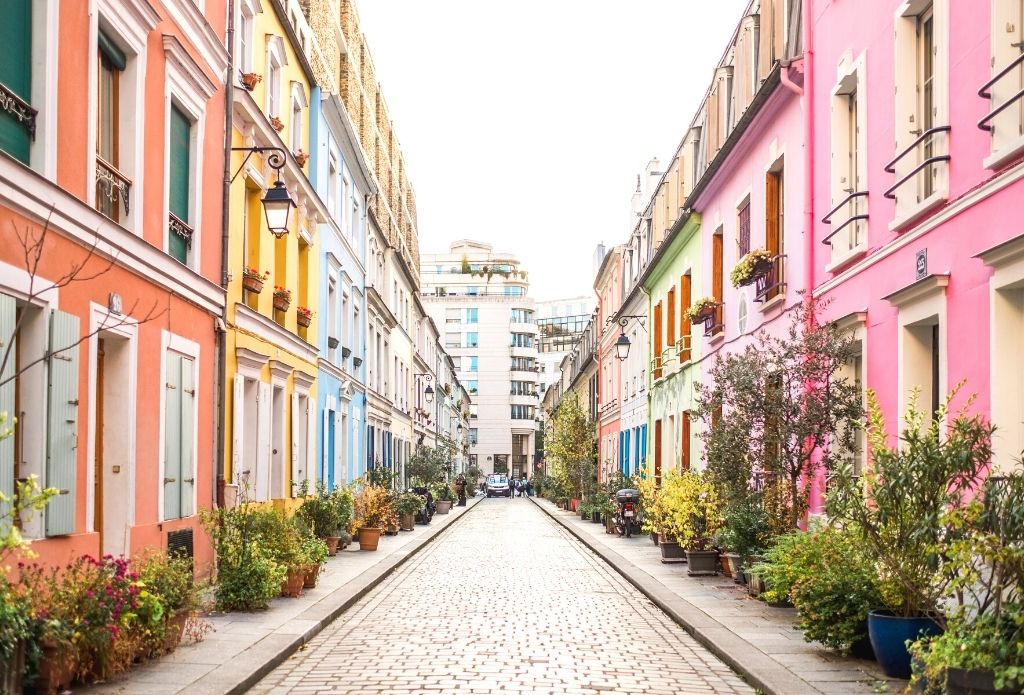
[
  {"x": 608, "y": 286},
  {"x": 917, "y": 141}
]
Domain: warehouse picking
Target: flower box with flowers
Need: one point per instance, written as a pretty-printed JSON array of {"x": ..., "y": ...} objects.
[
  {"x": 702, "y": 309},
  {"x": 282, "y": 298},
  {"x": 253, "y": 279},
  {"x": 249, "y": 80},
  {"x": 754, "y": 264},
  {"x": 304, "y": 316},
  {"x": 277, "y": 123},
  {"x": 301, "y": 158}
]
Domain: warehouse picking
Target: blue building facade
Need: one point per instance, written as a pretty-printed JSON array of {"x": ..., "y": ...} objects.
[{"x": 343, "y": 181}]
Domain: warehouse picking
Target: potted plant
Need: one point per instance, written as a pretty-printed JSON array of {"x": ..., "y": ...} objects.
[
  {"x": 282, "y": 298},
  {"x": 169, "y": 578},
  {"x": 373, "y": 510},
  {"x": 332, "y": 342},
  {"x": 898, "y": 506},
  {"x": 304, "y": 316},
  {"x": 408, "y": 505},
  {"x": 248, "y": 574},
  {"x": 357, "y": 362},
  {"x": 445, "y": 498},
  {"x": 249, "y": 80},
  {"x": 15, "y": 632},
  {"x": 301, "y": 158},
  {"x": 253, "y": 279},
  {"x": 754, "y": 264},
  {"x": 703, "y": 308},
  {"x": 315, "y": 554},
  {"x": 693, "y": 515},
  {"x": 277, "y": 123}
]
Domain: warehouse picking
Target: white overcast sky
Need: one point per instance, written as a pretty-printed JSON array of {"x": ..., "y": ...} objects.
[{"x": 524, "y": 124}]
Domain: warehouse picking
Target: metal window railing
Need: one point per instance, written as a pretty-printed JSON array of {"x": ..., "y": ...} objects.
[
  {"x": 927, "y": 162},
  {"x": 112, "y": 187},
  {"x": 986, "y": 93},
  {"x": 853, "y": 217},
  {"x": 714, "y": 323},
  {"x": 771, "y": 283},
  {"x": 178, "y": 226}
]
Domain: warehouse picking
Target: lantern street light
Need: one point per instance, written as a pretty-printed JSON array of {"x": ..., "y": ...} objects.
[
  {"x": 428, "y": 393},
  {"x": 623, "y": 342},
  {"x": 622, "y": 347},
  {"x": 277, "y": 204}
]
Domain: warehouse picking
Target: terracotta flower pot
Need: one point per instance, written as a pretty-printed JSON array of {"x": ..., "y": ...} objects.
[
  {"x": 443, "y": 507},
  {"x": 57, "y": 667},
  {"x": 252, "y": 283},
  {"x": 304, "y": 319},
  {"x": 175, "y": 629},
  {"x": 291, "y": 587},
  {"x": 250, "y": 80},
  {"x": 282, "y": 303},
  {"x": 369, "y": 538},
  {"x": 310, "y": 577},
  {"x": 332, "y": 544},
  {"x": 407, "y": 521}
]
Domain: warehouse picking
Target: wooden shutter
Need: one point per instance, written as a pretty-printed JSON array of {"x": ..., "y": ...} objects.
[
  {"x": 658, "y": 345},
  {"x": 180, "y": 175},
  {"x": 16, "y": 73},
  {"x": 8, "y": 321},
  {"x": 172, "y": 437},
  {"x": 657, "y": 452},
  {"x": 771, "y": 224},
  {"x": 716, "y": 267},
  {"x": 188, "y": 436},
  {"x": 684, "y": 323},
  {"x": 765, "y": 50},
  {"x": 261, "y": 474},
  {"x": 671, "y": 340},
  {"x": 62, "y": 424},
  {"x": 684, "y": 424}
]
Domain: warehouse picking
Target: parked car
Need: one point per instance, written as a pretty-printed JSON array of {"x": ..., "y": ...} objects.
[{"x": 497, "y": 485}]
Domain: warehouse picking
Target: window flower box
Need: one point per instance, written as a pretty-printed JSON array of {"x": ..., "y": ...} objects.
[
  {"x": 301, "y": 158},
  {"x": 253, "y": 279},
  {"x": 282, "y": 298},
  {"x": 304, "y": 316},
  {"x": 702, "y": 309},
  {"x": 249, "y": 80},
  {"x": 755, "y": 264},
  {"x": 345, "y": 352},
  {"x": 277, "y": 123},
  {"x": 332, "y": 342},
  {"x": 357, "y": 361}
]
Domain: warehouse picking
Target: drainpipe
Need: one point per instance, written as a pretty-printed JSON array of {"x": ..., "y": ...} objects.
[
  {"x": 809, "y": 245},
  {"x": 221, "y": 366}
]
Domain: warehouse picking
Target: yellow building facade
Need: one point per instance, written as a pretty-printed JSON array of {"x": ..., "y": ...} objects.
[{"x": 271, "y": 354}]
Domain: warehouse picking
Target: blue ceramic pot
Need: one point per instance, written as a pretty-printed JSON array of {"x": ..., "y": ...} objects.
[{"x": 889, "y": 634}]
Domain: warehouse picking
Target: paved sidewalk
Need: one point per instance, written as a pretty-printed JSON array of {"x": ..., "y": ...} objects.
[
  {"x": 246, "y": 646},
  {"x": 755, "y": 639}
]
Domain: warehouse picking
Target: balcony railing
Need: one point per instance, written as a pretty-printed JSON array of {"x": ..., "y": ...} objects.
[
  {"x": 19, "y": 109},
  {"x": 772, "y": 283},
  {"x": 930, "y": 159},
  {"x": 714, "y": 323},
  {"x": 178, "y": 226},
  {"x": 112, "y": 187},
  {"x": 986, "y": 93},
  {"x": 852, "y": 205}
]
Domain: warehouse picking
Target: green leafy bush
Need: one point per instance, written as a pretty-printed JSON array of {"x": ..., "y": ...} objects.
[
  {"x": 409, "y": 503},
  {"x": 250, "y": 543}
]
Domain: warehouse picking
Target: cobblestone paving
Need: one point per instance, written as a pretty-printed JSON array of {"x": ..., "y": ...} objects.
[{"x": 506, "y": 601}]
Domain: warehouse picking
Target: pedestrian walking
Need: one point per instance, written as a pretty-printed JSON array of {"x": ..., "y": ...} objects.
[
  {"x": 529, "y": 488},
  {"x": 460, "y": 488}
]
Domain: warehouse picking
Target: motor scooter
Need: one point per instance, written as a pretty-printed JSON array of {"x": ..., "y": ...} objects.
[{"x": 627, "y": 516}]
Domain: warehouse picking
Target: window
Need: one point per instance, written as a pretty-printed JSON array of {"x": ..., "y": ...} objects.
[
  {"x": 452, "y": 316},
  {"x": 743, "y": 229},
  {"x": 472, "y": 291},
  {"x": 921, "y": 348},
  {"x": 849, "y": 173},
  {"x": 111, "y": 185},
  {"x": 670, "y": 311},
  {"x": 474, "y": 436},
  {"x": 16, "y": 79},
  {"x": 684, "y": 323},
  {"x": 452, "y": 340},
  {"x": 472, "y": 315},
  {"x": 524, "y": 340},
  {"x": 522, "y": 316},
  {"x": 179, "y": 235},
  {"x": 716, "y": 281},
  {"x": 523, "y": 388},
  {"x": 245, "y": 37},
  {"x": 296, "y": 123},
  {"x": 521, "y": 412},
  {"x": 473, "y": 363},
  {"x": 472, "y": 386},
  {"x": 772, "y": 285},
  {"x": 274, "y": 62},
  {"x": 332, "y": 184},
  {"x": 179, "y": 435},
  {"x": 472, "y": 340},
  {"x": 1006, "y": 127}
]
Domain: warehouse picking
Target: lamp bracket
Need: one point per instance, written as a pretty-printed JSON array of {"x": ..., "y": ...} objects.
[
  {"x": 276, "y": 158},
  {"x": 623, "y": 321}
]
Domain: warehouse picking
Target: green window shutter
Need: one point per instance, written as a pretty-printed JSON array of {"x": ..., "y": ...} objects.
[
  {"x": 180, "y": 176},
  {"x": 172, "y": 437},
  {"x": 62, "y": 423},
  {"x": 188, "y": 435},
  {"x": 16, "y": 73},
  {"x": 7, "y": 338}
]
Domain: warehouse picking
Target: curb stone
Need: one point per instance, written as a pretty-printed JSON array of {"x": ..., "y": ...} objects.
[{"x": 757, "y": 668}]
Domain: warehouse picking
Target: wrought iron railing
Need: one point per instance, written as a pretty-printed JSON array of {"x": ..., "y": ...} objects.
[
  {"x": 178, "y": 226},
  {"x": 714, "y": 323},
  {"x": 112, "y": 187},
  {"x": 772, "y": 283},
  {"x": 986, "y": 93},
  {"x": 928, "y": 161},
  {"x": 853, "y": 216},
  {"x": 19, "y": 109}
]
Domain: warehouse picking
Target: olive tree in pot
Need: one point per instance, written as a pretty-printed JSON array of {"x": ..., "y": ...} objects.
[
  {"x": 898, "y": 507},
  {"x": 408, "y": 505},
  {"x": 693, "y": 516},
  {"x": 373, "y": 512}
]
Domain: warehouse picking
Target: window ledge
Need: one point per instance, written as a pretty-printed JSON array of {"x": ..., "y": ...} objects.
[
  {"x": 937, "y": 199},
  {"x": 773, "y": 302},
  {"x": 717, "y": 337},
  {"x": 847, "y": 260},
  {"x": 1004, "y": 154}
]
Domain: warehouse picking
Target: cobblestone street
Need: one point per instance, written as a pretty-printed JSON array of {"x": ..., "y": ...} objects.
[{"x": 505, "y": 601}]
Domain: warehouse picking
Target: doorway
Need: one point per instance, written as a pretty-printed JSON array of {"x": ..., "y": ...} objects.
[{"x": 112, "y": 487}]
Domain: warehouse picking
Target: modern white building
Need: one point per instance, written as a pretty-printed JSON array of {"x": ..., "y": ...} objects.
[
  {"x": 560, "y": 322},
  {"x": 478, "y": 299}
]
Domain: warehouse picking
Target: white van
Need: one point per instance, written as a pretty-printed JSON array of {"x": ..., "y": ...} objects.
[{"x": 498, "y": 486}]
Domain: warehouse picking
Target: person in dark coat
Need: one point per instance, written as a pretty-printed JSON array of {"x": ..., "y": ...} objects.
[{"x": 460, "y": 488}]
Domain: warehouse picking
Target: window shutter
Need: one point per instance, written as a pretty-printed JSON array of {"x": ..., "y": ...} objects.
[
  {"x": 297, "y": 468},
  {"x": 188, "y": 439},
  {"x": 8, "y": 320},
  {"x": 62, "y": 424},
  {"x": 180, "y": 175},
  {"x": 237, "y": 425},
  {"x": 310, "y": 441},
  {"x": 172, "y": 437},
  {"x": 340, "y": 473},
  {"x": 16, "y": 73},
  {"x": 264, "y": 412}
]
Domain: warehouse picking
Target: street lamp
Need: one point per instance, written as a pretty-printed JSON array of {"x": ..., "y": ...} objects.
[
  {"x": 623, "y": 343},
  {"x": 428, "y": 393},
  {"x": 277, "y": 204}
]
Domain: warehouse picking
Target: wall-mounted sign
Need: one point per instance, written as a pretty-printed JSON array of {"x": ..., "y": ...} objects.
[{"x": 922, "y": 264}]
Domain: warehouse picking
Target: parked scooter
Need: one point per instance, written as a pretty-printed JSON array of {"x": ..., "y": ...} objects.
[
  {"x": 627, "y": 516},
  {"x": 427, "y": 513}
]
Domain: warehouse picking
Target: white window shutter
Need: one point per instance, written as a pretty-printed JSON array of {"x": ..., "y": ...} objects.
[
  {"x": 62, "y": 424},
  {"x": 172, "y": 472},
  {"x": 298, "y": 473},
  {"x": 8, "y": 320},
  {"x": 237, "y": 428},
  {"x": 264, "y": 415},
  {"x": 339, "y": 450},
  {"x": 188, "y": 439},
  {"x": 310, "y": 434}
]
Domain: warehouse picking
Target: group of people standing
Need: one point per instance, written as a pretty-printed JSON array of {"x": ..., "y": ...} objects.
[{"x": 520, "y": 487}]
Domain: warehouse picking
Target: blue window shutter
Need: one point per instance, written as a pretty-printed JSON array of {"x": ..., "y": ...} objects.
[
  {"x": 188, "y": 438},
  {"x": 172, "y": 437},
  {"x": 62, "y": 424},
  {"x": 8, "y": 319}
]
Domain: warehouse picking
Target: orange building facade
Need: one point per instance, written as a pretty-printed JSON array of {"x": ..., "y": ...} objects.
[{"x": 111, "y": 163}]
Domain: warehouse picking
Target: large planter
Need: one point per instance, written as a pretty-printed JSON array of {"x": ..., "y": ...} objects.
[
  {"x": 889, "y": 634},
  {"x": 575, "y": 504},
  {"x": 332, "y": 544},
  {"x": 654, "y": 538},
  {"x": 702, "y": 563},
  {"x": 291, "y": 587},
  {"x": 407, "y": 521},
  {"x": 57, "y": 668},
  {"x": 726, "y": 568},
  {"x": 11, "y": 669},
  {"x": 174, "y": 630},
  {"x": 609, "y": 523},
  {"x": 310, "y": 577},
  {"x": 962, "y": 682},
  {"x": 369, "y": 538},
  {"x": 443, "y": 507},
  {"x": 595, "y": 518},
  {"x": 735, "y": 565},
  {"x": 671, "y": 552}
]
